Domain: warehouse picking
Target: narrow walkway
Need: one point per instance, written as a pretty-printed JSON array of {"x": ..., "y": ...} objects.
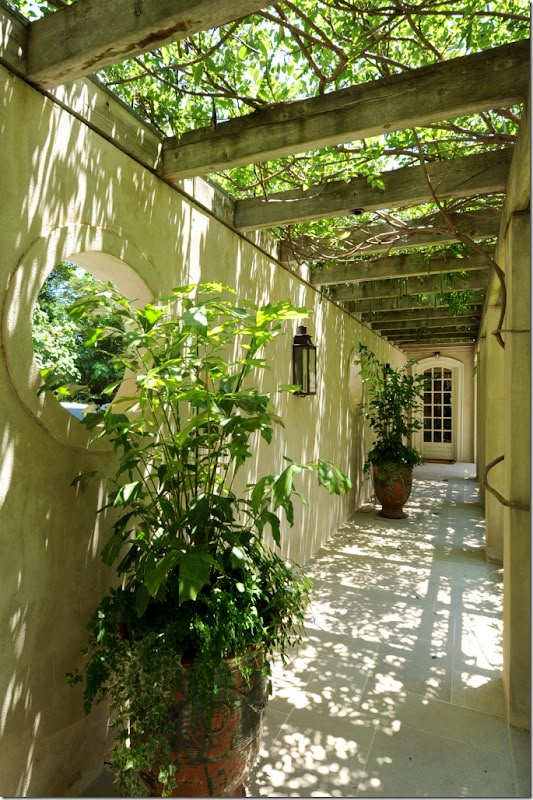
[{"x": 397, "y": 689}]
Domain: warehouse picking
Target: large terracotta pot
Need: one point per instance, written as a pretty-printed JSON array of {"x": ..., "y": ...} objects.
[
  {"x": 392, "y": 485},
  {"x": 214, "y": 760}
]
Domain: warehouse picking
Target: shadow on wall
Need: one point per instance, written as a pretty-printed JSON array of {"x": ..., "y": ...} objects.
[
  {"x": 55, "y": 173},
  {"x": 74, "y": 197}
]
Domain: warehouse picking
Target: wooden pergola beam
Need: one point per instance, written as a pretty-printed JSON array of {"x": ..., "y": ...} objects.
[
  {"x": 402, "y": 266},
  {"x": 90, "y": 34},
  {"x": 434, "y": 284},
  {"x": 458, "y": 338},
  {"x": 440, "y": 334},
  {"x": 463, "y": 321},
  {"x": 404, "y": 303},
  {"x": 483, "y": 173},
  {"x": 383, "y": 238},
  {"x": 416, "y": 314},
  {"x": 461, "y": 86}
]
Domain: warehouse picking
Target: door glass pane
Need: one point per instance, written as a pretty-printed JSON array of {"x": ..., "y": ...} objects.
[{"x": 437, "y": 423}]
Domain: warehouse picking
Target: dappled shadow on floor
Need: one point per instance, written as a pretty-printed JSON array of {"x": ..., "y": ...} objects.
[{"x": 396, "y": 689}]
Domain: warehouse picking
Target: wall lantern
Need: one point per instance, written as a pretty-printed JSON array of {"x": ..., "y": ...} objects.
[{"x": 303, "y": 362}]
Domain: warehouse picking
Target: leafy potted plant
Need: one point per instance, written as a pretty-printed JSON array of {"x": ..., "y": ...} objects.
[
  {"x": 181, "y": 647},
  {"x": 392, "y": 405}
]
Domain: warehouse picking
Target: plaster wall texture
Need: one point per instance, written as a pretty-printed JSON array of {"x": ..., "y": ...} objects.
[
  {"x": 514, "y": 258},
  {"x": 70, "y": 194},
  {"x": 494, "y": 438},
  {"x": 517, "y": 475}
]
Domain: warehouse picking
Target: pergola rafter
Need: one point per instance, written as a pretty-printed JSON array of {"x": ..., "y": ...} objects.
[
  {"x": 410, "y": 303},
  {"x": 459, "y": 321},
  {"x": 442, "y": 312},
  {"x": 433, "y": 284},
  {"x": 401, "y": 266},
  {"x": 58, "y": 52},
  {"x": 483, "y": 173},
  {"x": 86, "y": 36},
  {"x": 412, "y": 99},
  {"x": 384, "y": 238}
]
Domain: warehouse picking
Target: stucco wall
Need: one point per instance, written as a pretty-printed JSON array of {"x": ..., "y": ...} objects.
[{"x": 68, "y": 193}]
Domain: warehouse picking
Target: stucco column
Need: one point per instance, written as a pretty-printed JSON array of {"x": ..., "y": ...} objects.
[
  {"x": 480, "y": 415},
  {"x": 517, "y": 533},
  {"x": 494, "y": 436}
]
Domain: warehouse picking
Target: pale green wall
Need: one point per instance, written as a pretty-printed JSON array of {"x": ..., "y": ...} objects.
[
  {"x": 65, "y": 192},
  {"x": 511, "y": 437}
]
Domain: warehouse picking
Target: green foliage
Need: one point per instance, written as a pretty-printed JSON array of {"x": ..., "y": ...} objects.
[
  {"x": 393, "y": 399},
  {"x": 199, "y": 581},
  {"x": 59, "y": 340},
  {"x": 304, "y": 49},
  {"x": 296, "y": 50}
]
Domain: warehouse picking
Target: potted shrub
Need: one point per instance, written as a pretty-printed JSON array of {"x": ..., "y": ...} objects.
[
  {"x": 392, "y": 405},
  {"x": 181, "y": 647}
]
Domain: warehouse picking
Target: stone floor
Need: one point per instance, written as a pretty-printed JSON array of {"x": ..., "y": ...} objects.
[{"x": 396, "y": 690}]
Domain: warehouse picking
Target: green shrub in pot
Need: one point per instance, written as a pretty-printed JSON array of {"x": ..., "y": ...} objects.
[
  {"x": 392, "y": 406},
  {"x": 199, "y": 581}
]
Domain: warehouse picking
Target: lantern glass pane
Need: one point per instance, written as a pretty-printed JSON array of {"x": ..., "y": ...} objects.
[
  {"x": 297, "y": 366},
  {"x": 305, "y": 369},
  {"x": 312, "y": 371}
]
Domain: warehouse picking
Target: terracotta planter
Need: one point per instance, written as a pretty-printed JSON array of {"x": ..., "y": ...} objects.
[
  {"x": 214, "y": 761},
  {"x": 392, "y": 485}
]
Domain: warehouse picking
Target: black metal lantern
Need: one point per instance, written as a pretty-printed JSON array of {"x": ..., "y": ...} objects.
[{"x": 303, "y": 362}]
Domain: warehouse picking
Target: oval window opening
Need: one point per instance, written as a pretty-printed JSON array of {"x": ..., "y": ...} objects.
[{"x": 59, "y": 342}]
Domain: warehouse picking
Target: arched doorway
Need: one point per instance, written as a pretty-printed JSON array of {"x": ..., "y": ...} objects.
[{"x": 441, "y": 436}]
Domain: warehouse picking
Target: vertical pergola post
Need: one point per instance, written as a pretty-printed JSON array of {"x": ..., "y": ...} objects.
[
  {"x": 494, "y": 435},
  {"x": 481, "y": 390},
  {"x": 517, "y": 521}
]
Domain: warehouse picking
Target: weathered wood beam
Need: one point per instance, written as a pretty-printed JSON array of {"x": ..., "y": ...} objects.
[
  {"x": 402, "y": 266},
  {"x": 442, "y": 333},
  {"x": 415, "y": 314},
  {"x": 483, "y": 173},
  {"x": 383, "y": 238},
  {"x": 434, "y": 284},
  {"x": 90, "y": 34},
  {"x": 427, "y": 338},
  {"x": 464, "y": 321},
  {"x": 404, "y": 303},
  {"x": 492, "y": 78}
]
